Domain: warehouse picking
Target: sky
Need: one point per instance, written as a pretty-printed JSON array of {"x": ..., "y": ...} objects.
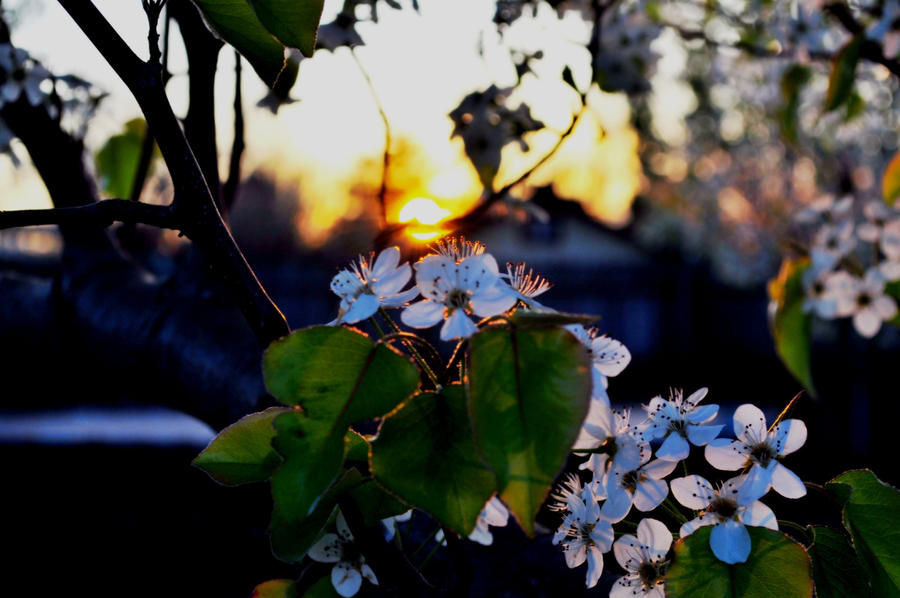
[{"x": 420, "y": 65}]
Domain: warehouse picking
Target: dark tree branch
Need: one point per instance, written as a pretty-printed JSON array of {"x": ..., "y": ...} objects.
[
  {"x": 869, "y": 49},
  {"x": 229, "y": 191},
  {"x": 202, "y": 49},
  {"x": 102, "y": 214},
  {"x": 194, "y": 206}
]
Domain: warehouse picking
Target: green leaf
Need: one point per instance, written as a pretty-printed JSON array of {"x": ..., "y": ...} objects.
[
  {"x": 276, "y": 588},
  {"x": 292, "y": 538},
  {"x": 527, "y": 317},
  {"x": 323, "y": 588},
  {"x": 836, "y": 570},
  {"x": 843, "y": 74},
  {"x": 890, "y": 182},
  {"x": 872, "y": 516},
  {"x": 118, "y": 159},
  {"x": 790, "y": 324},
  {"x": 236, "y": 23},
  {"x": 339, "y": 377},
  {"x": 292, "y": 22},
  {"x": 777, "y": 567},
  {"x": 425, "y": 454},
  {"x": 793, "y": 80},
  {"x": 243, "y": 452},
  {"x": 376, "y": 503},
  {"x": 529, "y": 391}
]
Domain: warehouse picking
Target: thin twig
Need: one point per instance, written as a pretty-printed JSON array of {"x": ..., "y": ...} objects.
[
  {"x": 386, "y": 159},
  {"x": 229, "y": 191}
]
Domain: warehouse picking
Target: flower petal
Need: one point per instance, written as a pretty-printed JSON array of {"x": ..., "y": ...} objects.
[
  {"x": 493, "y": 300},
  {"x": 789, "y": 435},
  {"x": 423, "y": 314},
  {"x": 400, "y": 299},
  {"x": 674, "y": 448},
  {"x": 391, "y": 282},
  {"x": 758, "y": 515},
  {"x": 627, "y": 586},
  {"x": 703, "y": 414},
  {"x": 786, "y": 483},
  {"x": 343, "y": 529},
  {"x": 609, "y": 355},
  {"x": 345, "y": 579},
  {"x": 345, "y": 284},
  {"x": 478, "y": 273},
  {"x": 649, "y": 494},
  {"x": 617, "y": 504},
  {"x": 367, "y": 572},
  {"x": 749, "y": 423},
  {"x": 328, "y": 549},
  {"x": 458, "y": 325},
  {"x": 659, "y": 468},
  {"x": 730, "y": 542},
  {"x": 726, "y": 454},
  {"x": 595, "y": 567},
  {"x": 364, "y": 306},
  {"x": 654, "y": 534},
  {"x": 867, "y": 322},
  {"x": 693, "y": 525},
  {"x": 756, "y": 483},
  {"x": 435, "y": 276},
  {"x": 386, "y": 262},
  {"x": 702, "y": 435},
  {"x": 627, "y": 550},
  {"x": 693, "y": 491},
  {"x": 575, "y": 554}
]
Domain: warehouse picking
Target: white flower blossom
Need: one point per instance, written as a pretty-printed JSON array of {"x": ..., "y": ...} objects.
[
  {"x": 452, "y": 290},
  {"x": 585, "y": 535},
  {"x": 22, "y": 75},
  {"x": 679, "y": 421},
  {"x": 877, "y": 214},
  {"x": 642, "y": 486},
  {"x": 366, "y": 286},
  {"x": 611, "y": 428},
  {"x": 760, "y": 449},
  {"x": 608, "y": 357},
  {"x": 494, "y": 514},
  {"x": 644, "y": 559},
  {"x": 828, "y": 210},
  {"x": 349, "y": 565},
  {"x": 865, "y": 300},
  {"x": 728, "y": 509}
]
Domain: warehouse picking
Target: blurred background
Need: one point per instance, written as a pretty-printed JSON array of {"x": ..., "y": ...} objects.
[{"x": 651, "y": 174}]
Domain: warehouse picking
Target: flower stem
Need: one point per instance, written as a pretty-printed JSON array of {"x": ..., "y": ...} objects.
[
  {"x": 377, "y": 326},
  {"x": 425, "y": 542},
  {"x": 673, "y": 511},
  {"x": 411, "y": 348}
]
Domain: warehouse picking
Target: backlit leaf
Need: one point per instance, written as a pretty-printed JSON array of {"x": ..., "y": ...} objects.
[{"x": 529, "y": 391}]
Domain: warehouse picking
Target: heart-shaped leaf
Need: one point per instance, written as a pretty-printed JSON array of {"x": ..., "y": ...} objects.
[
  {"x": 836, "y": 570},
  {"x": 236, "y": 23},
  {"x": 425, "y": 454},
  {"x": 872, "y": 516},
  {"x": 777, "y": 567},
  {"x": 243, "y": 452},
  {"x": 292, "y": 22},
  {"x": 339, "y": 377},
  {"x": 529, "y": 391}
]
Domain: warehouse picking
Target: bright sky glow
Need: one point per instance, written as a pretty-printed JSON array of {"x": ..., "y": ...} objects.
[{"x": 327, "y": 147}]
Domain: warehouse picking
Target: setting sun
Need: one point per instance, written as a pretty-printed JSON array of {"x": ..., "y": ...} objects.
[{"x": 422, "y": 210}]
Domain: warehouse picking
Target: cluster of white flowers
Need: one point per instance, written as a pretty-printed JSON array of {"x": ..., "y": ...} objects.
[
  {"x": 20, "y": 74},
  {"x": 852, "y": 258},
  {"x": 459, "y": 280},
  {"x": 624, "y": 476}
]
